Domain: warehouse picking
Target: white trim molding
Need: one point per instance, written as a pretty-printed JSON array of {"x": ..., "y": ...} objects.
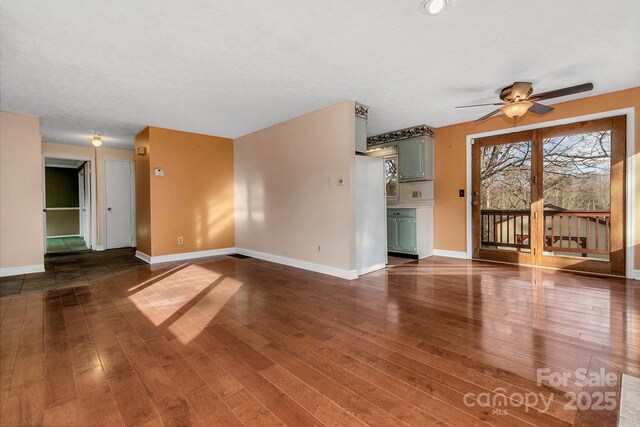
[
  {"x": 636, "y": 275},
  {"x": 25, "y": 269},
  {"x": 304, "y": 265},
  {"x": 184, "y": 256},
  {"x": 144, "y": 257},
  {"x": 451, "y": 254},
  {"x": 371, "y": 269},
  {"x": 630, "y": 182}
]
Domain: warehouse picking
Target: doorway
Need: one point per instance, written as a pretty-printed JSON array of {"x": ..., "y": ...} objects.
[
  {"x": 552, "y": 197},
  {"x": 67, "y": 205}
]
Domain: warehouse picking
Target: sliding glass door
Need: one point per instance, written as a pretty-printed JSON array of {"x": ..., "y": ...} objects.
[
  {"x": 502, "y": 197},
  {"x": 552, "y": 197}
]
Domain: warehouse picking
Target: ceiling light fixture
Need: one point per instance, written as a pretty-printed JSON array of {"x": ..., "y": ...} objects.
[
  {"x": 516, "y": 109},
  {"x": 96, "y": 140},
  {"x": 434, "y": 7}
]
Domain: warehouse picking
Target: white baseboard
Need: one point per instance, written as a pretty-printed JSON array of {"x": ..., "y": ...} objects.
[
  {"x": 26, "y": 269},
  {"x": 372, "y": 269},
  {"x": 304, "y": 265},
  {"x": 450, "y": 254},
  {"x": 184, "y": 256},
  {"x": 141, "y": 255},
  {"x": 98, "y": 248}
]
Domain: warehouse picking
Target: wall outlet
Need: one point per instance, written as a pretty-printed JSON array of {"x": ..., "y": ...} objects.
[
  {"x": 417, "y": 194},
  {"x": 318, "y": 248},
  {"x": 180, "y": 240}
]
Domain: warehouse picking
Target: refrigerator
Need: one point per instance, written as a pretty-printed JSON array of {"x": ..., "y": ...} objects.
[{"x": 371, "y": 215}]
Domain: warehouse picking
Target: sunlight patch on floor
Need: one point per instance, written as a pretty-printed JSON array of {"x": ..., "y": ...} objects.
[{"x": 207, "y": 292}]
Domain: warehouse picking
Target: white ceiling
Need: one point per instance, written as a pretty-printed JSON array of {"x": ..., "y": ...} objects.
[{"x": 230, "y": 67}]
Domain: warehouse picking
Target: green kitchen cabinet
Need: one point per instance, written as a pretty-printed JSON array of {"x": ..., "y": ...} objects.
[
  {"x": 401, "y": 231},
  {"x": 407, "y": 235},
  {"x": 392, "y": 233},
  {"x": 415, "y": 156},
  {"x": 361, "y": 135}
]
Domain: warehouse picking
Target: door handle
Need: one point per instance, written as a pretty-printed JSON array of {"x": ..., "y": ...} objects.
[
  {"x": 44, "y": 210},
  {"x": 109, "y": 209}
]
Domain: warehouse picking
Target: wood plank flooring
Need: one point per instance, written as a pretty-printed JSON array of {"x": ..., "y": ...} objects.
[{"x": 232, "y": 342}]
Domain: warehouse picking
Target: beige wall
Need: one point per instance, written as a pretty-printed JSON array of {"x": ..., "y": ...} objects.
[
  {"x": 194, "y": 199},
  {"x": 67, "y": 151},
  {"x": 450, "y": 168},
  {"x": 21, "y": 233},
  {"x": 287, "y": 199}
]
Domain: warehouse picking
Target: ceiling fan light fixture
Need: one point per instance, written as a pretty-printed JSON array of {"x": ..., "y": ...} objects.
[
  {"x": 96, "y": 140},
  {"x": 434, "y": 7},
  {"x": 516, "y": 109}
]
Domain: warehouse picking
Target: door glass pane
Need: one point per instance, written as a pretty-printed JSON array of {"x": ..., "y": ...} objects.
[
  {"x": 505, "y": 197},
  {"x": 391, "y": 177},
  {"x": 576, "y": 191}
]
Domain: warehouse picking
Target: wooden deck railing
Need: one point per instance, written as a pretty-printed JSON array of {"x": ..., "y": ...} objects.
[
  {"x": 580, "y": 232},
  {"x": 583, "y": 232},
  {"x": 505, "y": 228}
]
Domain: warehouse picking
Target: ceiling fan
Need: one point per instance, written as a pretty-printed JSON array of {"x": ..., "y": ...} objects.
[{"x": 518, "y": 98}]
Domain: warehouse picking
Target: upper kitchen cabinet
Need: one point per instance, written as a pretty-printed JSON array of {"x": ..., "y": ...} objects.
[
  {"x": 415, "y": 157},
  {"x": 414, "y": 147},
  {"x": 361, "y": 128}
]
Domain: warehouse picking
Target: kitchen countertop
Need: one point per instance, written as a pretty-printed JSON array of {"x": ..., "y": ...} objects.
[{"x": 416, "y": 204}]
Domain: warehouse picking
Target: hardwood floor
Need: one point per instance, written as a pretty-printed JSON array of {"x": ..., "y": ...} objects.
[
  {"x": 63, "y": 270},
  {"x": 232, "y": 342}
]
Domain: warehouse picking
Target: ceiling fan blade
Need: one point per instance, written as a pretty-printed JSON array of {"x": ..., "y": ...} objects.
[
  {"x": 480, "y": 105},
  {"x": 488, "y": 115},
  {"x": 585, "y": 87},
  {"x": 520, "y": 90},
  {"x": 540, "y": 109}
]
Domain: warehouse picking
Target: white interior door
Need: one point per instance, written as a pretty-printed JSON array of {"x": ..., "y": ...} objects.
[{"x": 118, "y": 204}]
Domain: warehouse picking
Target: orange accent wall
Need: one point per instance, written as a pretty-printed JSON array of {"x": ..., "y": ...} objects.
[
  {"x": 195, "y": 197},
  {"x": 143, "y": 194},
  {"x": 450, "y": 168}
]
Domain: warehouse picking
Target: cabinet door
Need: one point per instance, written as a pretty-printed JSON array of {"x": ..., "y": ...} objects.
[
  {"x": 361, "y": 135},
  {"x": 392, "y": 234},
  {"x": 407, "y": 235},
  {"x": 411, "y": 154}
]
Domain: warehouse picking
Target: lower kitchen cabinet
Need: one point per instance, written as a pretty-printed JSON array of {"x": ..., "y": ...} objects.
[{"x": 410, "y": 231}]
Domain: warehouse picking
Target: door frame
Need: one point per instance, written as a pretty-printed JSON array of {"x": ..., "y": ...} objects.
[
  {"x": 132, "y": 182},
  {"x": 92, "y": 200},
  {"x": 630, "y": 184}
]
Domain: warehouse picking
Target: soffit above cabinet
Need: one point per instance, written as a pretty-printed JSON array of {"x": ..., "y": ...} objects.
[{"x": 362, "y": 111}]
